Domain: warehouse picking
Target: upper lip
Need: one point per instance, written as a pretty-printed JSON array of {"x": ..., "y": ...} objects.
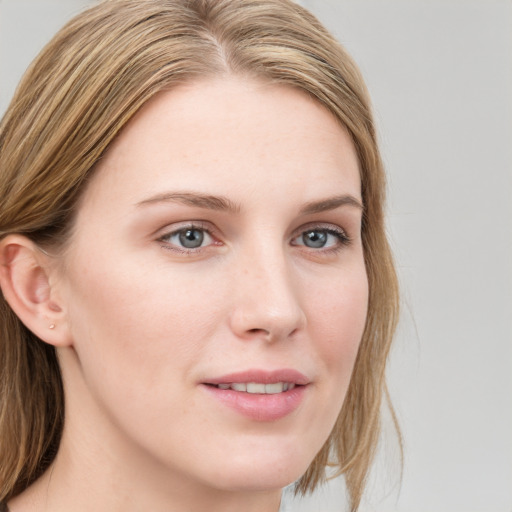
[{"x": 262, "y": 376}]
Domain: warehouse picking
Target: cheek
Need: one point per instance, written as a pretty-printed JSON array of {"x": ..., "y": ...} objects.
[
  {"x": 337, "y": 324},
  {"x": 132, "y": 325},
  {"x": 339, "y": 315},
  {"x": 139, "y": 336}
]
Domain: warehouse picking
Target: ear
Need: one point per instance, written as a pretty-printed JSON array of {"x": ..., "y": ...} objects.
[{"x": 25, "y": 280}]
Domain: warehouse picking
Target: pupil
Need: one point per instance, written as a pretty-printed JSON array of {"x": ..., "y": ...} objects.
[
  {"x": 191, "y": 238},
  {"x": 315, "y": 239}
]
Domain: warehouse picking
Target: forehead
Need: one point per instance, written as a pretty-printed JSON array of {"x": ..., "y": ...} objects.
[{"x": 231, "y": 134}]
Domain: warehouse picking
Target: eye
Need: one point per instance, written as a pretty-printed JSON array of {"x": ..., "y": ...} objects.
[
  {"x": 188, "y": 238},
  {"x": 322, "y": 238}
]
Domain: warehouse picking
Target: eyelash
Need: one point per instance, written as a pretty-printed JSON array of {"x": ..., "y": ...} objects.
[
  {"x": 342, "y": 238},
  {"x": 164, "y": 239}
]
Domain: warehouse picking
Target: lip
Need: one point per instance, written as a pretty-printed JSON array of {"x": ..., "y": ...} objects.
[
  {"x": 260, "y": 407},
  {"x": 262, "y": 376}
]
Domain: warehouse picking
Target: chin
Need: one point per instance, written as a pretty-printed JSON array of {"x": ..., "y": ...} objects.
[
  {"x": 264, "y": 471},
  {"x": 258, "y": 481}
]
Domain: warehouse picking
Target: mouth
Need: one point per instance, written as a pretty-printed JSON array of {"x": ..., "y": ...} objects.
[
  {"x": 257, "y": 388},
  {"x": 260, "y": 395}
]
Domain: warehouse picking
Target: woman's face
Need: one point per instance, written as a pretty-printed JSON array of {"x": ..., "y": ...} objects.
[{"x": 215, "y": 286}]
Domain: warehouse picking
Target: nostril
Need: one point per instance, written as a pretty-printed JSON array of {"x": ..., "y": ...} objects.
[{"x": 259, "y": 331}]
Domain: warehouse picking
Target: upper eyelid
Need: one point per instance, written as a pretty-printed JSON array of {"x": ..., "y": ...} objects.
[
  {"x": 212, "y": 229},
  {"x": 164, "y": 240},
  {"x": 325, "y": 226},
  {"x": 187, "y": 227},
  {"x": 339, "y": 233},
  {"x": 171, "y": 229}
]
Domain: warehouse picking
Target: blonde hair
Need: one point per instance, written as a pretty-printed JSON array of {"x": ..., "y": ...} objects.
[{"x": 80, "y": 92}]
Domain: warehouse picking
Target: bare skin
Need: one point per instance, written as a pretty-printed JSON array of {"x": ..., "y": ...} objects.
[{"x": 220, "y": 234}]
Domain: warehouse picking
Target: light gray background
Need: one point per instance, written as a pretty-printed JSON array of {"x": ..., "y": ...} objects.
[{"x": 440, "y": 74}]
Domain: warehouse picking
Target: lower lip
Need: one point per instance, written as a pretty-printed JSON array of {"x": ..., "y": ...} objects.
[{"x": 260, "y": 407}]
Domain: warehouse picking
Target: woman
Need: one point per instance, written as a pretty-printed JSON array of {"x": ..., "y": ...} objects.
[{"x": 198, "y": 295}]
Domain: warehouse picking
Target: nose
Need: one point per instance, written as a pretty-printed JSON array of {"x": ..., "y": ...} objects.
[{"x": 266, "y": 302}]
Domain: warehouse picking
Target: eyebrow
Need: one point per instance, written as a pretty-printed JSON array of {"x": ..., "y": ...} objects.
[
  {"x": 331, "y": 203},
  {"x": 208, "y": 202},
  {"x": 221, "y": 203}
]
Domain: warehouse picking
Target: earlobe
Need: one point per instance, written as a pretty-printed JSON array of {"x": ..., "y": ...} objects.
[{"x": 25, "y": 283}]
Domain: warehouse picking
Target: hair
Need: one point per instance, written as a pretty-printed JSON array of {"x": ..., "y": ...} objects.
[{"x": 77, "y": 96}]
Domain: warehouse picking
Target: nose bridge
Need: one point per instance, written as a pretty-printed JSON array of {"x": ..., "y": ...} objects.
[{"x": 266, "y": 301}]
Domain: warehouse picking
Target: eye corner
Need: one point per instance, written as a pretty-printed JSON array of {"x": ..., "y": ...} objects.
[
  {"x": 190, "y": 238},
  {"x": 321, "y": 238}
]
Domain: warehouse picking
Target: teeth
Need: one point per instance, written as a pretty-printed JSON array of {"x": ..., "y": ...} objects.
[
  {"x": 259, "y": 388},
  {"x": 278, "y": 387},
  {"x": 252, "y": 387}
]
